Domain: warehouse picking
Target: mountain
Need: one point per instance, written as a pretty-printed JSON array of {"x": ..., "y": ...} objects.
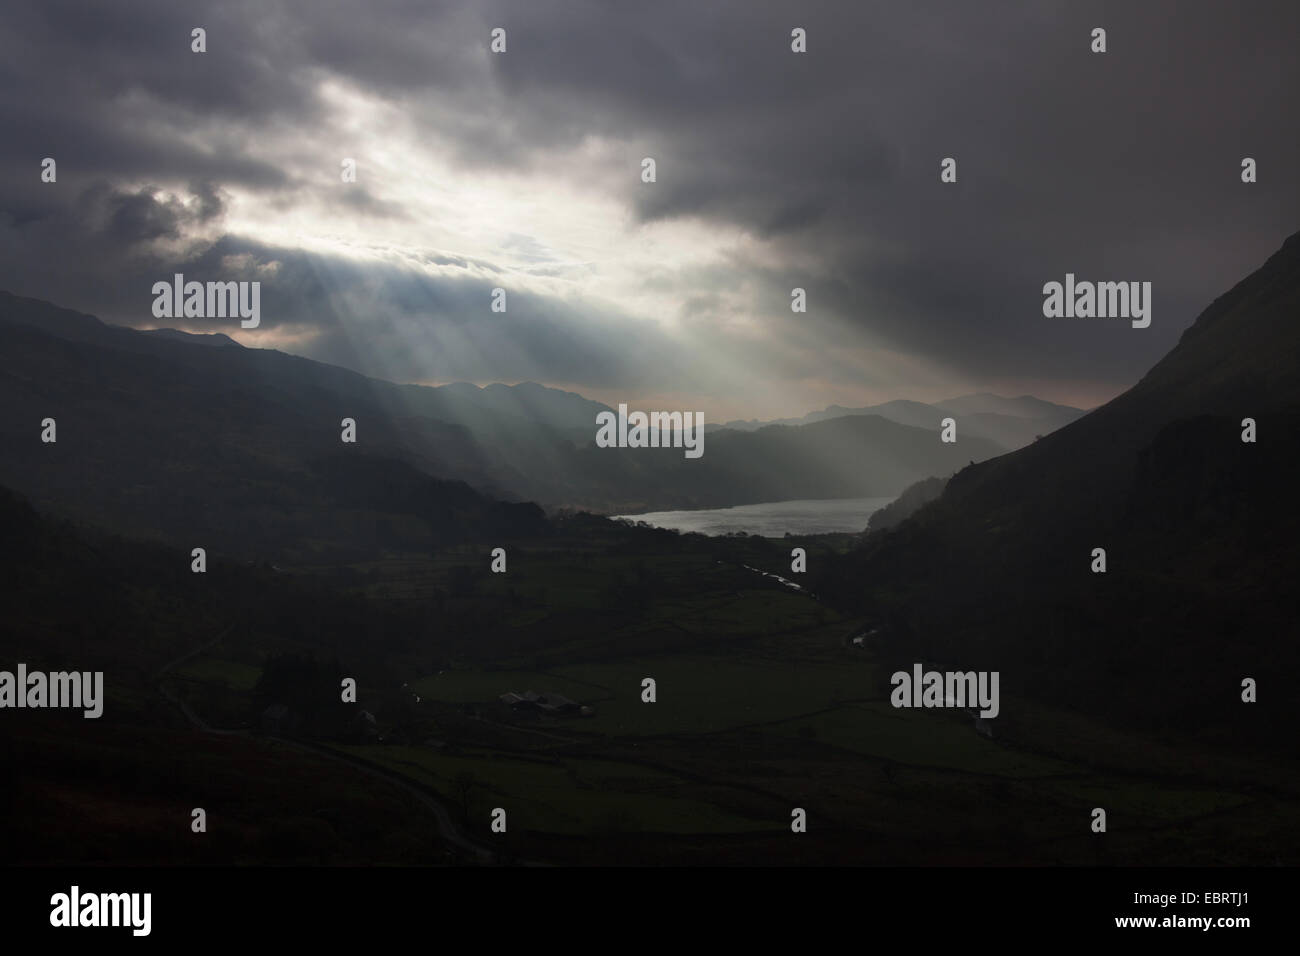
[
  {"x": 1198, "y": 526},
  {"x": 858, "y": 456},
  {"x": 183, "y": 435},
  {"x": 219, "y": 339},
  {"x": 1010, "y": 423},
  {"x": 232, "y": 449},
  {"x": 913, "y": 498},
  {"x": 1026, "y": 406},
  {"x": 486, "y": 409}
]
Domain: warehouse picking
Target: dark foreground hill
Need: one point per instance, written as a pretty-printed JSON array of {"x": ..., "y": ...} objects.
[{"x": 1199, "y": 530}]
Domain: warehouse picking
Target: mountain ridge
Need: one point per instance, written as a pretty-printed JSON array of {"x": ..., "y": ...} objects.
[
  {"x": 513, "y": 443},
  {"x": 1198, "y": 529}
]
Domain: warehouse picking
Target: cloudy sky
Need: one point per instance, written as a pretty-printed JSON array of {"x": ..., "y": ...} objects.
[{"x": 775, "y": 170}]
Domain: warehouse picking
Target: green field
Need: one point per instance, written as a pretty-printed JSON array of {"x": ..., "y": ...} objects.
[
  {"x": 231, "y": 674},
  {"x": 567, "y": 796},
  {"x": 762, "y": 706}
]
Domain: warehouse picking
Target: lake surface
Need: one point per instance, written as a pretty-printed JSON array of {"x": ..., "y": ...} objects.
[{"x": 772, "y": 519}]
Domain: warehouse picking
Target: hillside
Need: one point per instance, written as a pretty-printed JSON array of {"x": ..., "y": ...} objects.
[{"x": 1199, "y": 530}]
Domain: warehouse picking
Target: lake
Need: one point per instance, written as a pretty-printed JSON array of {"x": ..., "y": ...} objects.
[{"x": 772, "y": 519}]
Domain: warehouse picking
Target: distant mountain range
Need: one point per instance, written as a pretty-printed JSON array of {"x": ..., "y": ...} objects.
[
  {"x": 1010, "y": 423},
  {"x": 177, "y": 431}
]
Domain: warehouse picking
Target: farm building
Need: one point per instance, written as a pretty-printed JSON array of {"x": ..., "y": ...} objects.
[{"x": 548, "y": 703}]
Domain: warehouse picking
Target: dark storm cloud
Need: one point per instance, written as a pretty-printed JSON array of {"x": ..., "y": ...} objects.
[
  {"x": 83, "y": 77},
  {"x": 1118, "y": 166},
  {"x": 146, "y": 214},
  {"x": 101, "y": 247}
]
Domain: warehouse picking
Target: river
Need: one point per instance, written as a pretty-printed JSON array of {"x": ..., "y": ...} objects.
[{"x": 772, "y": 519}]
